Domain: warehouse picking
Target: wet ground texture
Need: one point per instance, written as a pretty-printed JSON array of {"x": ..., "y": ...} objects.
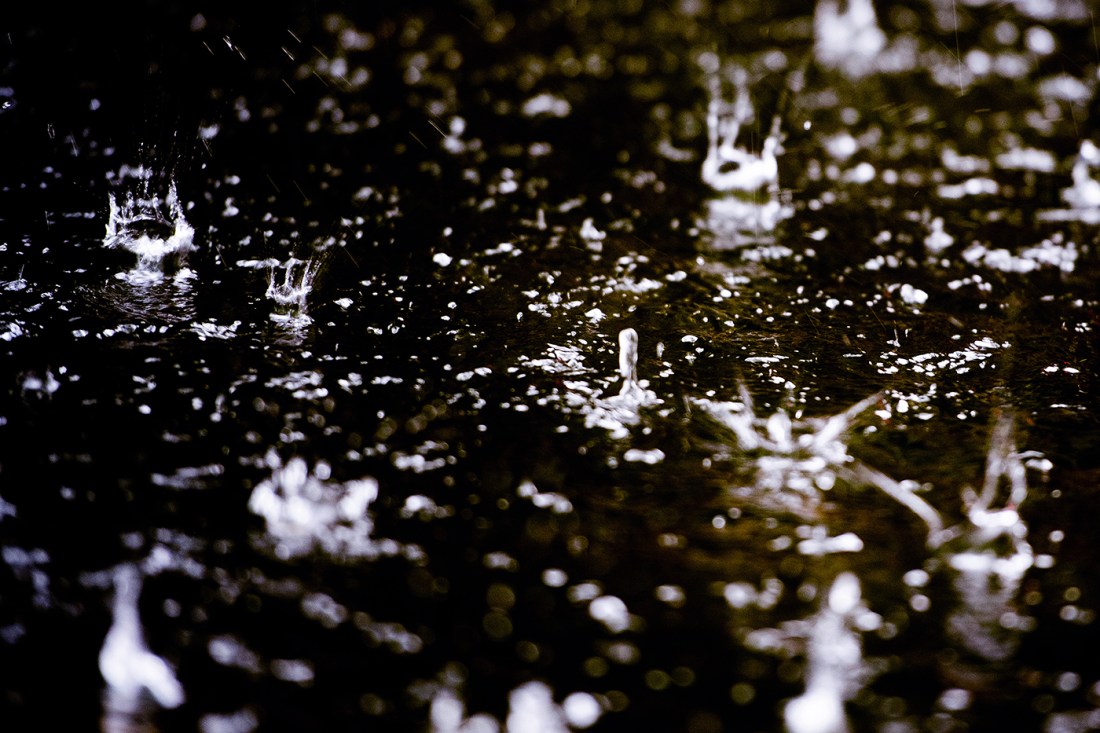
[{"x": 680, "y": 366}]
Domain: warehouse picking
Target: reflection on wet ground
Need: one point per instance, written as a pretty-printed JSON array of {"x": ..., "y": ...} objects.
[{"x": 693, "y": 366}]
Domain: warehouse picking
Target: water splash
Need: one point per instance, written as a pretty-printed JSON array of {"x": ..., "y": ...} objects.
[
  {"x": 41, "y": 384},
  {"x": 727, "y": 166},
  {"x": 848, "y": 40},
  {"x": 748, "y": 206},
  {"x": 290, "y": 294},
  {"x": 1084, "y": 194},
  {"x": 531, "y": 709},
  {"x": 617, "y": 412},
  {"x": 986, "y": 559},
  {"x": 995, "y": 538},
  {"x": 448, "y": 715},
  {"x": 937, "y": 239},
  {"x": 304, "y": 512},
  {"x": 794, "y": 458},
  {"x": 134, "y": 675},
  {"x": 834, "y": 661},
  {"x": 150, "y": 226},
  {"x": 1053, "y": 252},
  {"x": 628, "y": 362}
]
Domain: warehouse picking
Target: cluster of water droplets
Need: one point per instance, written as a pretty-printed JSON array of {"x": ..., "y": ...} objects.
[{"x": 985, "y": 555}]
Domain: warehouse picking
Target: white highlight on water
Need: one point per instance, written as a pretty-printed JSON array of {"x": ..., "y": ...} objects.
[
  {"x": 546, "y": 104},
  {"x": 132, "y": 672},
  {"x": 612, "y": 612},
  {"x": 531, "y": 709},
  {"x": 848, "y": 40},
  {"x": 834, "y": 657},
  {"x": 305, "y": 511}
]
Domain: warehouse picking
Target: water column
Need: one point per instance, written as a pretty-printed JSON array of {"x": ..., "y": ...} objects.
[
  {"x": 834, "y": 663},
  {"x": 135, "y": 676}
]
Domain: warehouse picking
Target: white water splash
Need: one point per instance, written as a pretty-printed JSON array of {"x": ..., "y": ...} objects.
[
  {"x": 134, "y": 675},
  {"x": 304, "y": 511},
  {"x": 994, "y": 539},
  {"x": 617, "y": 412},
  {"x": 531, "y": 709},
  {"x": 834, "y": 661},
  {"x": 727, "y": 166},
  {"x": 803, "y": 456},
  {"x": 797, "y": 462},
  {"x": 749, "y": 206},
  {"x": 848, "y": 40},
  {"x": 448, "y": 715},
  {"x": 291, "y": 293},
  {"x": 937, "y": 239},
  {"x": 153, "y": 228},
  {"x": 1085, "y": 191},
  {"x": 39, "y": 384},
  {"x": 987, "y": 564},
  {"x": 1054, "y": 252}
]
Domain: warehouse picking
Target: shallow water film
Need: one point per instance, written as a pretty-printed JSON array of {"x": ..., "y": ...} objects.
[{"x": 542, "y": 367}]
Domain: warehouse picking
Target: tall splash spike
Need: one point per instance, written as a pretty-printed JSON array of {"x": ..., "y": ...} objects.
[
  {"x": 132, "y": 672},
  {"x": 834, "y": 662},
  {"x": 628, "y": 359},
  {"x": 620, "y": 410}
]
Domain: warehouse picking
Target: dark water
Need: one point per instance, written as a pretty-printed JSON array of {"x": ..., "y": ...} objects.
[{"x": 310, "y": 352}]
